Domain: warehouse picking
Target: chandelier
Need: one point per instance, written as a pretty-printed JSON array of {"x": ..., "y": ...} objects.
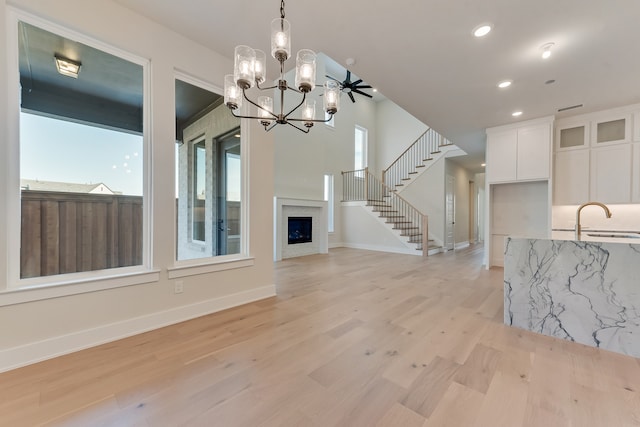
[{"x": 249, "y": 68}]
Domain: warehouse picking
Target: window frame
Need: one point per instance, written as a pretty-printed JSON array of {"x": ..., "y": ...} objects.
[
  {"x": 210, "y": 264},
  {"x": 329, "y": 194},
  {"x": 19, "y": 290}
]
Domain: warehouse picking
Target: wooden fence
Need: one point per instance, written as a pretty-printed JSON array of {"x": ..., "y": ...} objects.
[{"x": 72, "y": 232}]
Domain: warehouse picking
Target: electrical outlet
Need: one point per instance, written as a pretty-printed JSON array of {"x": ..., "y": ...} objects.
[{"x": 178, "y": 287}]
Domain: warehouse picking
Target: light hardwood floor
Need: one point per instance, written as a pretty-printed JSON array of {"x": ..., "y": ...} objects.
[{"x": 354, "y": 338}]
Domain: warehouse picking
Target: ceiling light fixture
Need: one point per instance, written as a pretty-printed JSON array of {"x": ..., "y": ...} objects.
[
  {"x": 482, "y": 30},
  {"x": 249, "y": 70},
  {"x": 504, "y": 84},
  {"x": 516, "y": 113},
  {"x": 67, "y": 67},
  {"x": 546, "y": 50}
]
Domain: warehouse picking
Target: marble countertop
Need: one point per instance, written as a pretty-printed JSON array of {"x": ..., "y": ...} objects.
[
  {"x": 569, "y": 234},
  {"x": 585, "y": 236}
]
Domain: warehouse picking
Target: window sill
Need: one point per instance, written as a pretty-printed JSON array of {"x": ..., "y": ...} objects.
[
  {"x": 209, "y": 266},
  {"x": 62, "y": 289}
]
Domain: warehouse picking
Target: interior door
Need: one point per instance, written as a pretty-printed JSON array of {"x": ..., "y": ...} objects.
[
  {"x": 229, "y": 195},
  {"x": 450, "y": 213}
]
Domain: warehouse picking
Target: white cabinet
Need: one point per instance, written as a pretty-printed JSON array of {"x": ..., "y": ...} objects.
[
  {"x": 571, "y": 177},
  {"x": 534, "y": 149},
  {"x": 611, "y": 174},
  {"x": 635, "y": 181},
  {"x": 611, "y": 129},
  {"x": 572, "y": 135},
  {"x": 501, "y": 155},
  {"x": 519, "y": 153}
]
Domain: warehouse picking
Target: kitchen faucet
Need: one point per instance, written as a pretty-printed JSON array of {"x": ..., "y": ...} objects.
[{"x": 578, "y": 227}]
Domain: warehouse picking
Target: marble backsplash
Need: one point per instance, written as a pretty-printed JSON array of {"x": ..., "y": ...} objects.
[{"x": 624, "y": 217}]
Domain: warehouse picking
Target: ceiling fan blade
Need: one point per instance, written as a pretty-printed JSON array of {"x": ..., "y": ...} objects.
[
  {"x": 360, "y": 92},
  {"x": 348, "y": 79},
  {"x": 351, "y": 96},
  {"x": 357, "y": 82},
  {"x": 362, "y": 87}
]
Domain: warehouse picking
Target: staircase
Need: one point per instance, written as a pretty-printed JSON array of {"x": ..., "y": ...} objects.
[
  {"x": 414, "y": 159},
  {"x": 396, "y": 212},
  {"x": 383, "y": 198}
]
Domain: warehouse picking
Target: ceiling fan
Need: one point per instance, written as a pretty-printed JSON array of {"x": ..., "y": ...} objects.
[{"x": 350, "y": 87}]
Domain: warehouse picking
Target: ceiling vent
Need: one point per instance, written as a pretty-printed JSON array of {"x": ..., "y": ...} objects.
[{"x": 560, "y": 110}]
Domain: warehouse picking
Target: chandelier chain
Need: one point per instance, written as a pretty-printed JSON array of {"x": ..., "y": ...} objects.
[{"x": 282, "y": 9}]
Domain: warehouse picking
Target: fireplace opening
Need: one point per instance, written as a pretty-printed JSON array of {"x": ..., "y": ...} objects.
[{"x": 300, "y": 229}]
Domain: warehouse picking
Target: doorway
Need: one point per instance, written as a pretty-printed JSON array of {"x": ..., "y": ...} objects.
[{"x": 450, "y": 213}]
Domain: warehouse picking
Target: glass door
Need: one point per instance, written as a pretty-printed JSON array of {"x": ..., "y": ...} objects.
[{"x": 229, "y": 194}]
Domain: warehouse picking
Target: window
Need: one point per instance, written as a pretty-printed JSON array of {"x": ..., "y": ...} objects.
[
  {"x": 82, "y": 160},
  {"x": 360, "y": 157},
  {"x": 331, "y": 119},
  {"x": 199, "y": 191},
  {"x": 328, "y": 197},
  {"x": 209, "y": 174}
]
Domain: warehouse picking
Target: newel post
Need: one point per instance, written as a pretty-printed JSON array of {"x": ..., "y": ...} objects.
[
  {"x": 425, "y": 235},
  {"x": 366, "y": 184}
]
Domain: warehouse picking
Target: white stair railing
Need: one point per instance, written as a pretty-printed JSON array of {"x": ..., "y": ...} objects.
[
  {"x": 360, "y": 185},
  {"x": 416, "y": 156}
]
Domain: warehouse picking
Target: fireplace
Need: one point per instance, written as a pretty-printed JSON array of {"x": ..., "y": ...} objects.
[
  {"x": 314, "y": 213},
  {"x": 300, "y": 229}
]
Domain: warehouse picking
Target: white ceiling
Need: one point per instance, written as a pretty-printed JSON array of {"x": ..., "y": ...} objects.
[{"x": 422, "y": 56}]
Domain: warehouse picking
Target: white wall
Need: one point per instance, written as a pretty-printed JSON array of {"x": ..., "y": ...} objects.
[
  {"x": 426, "y": 193},
  {"x": 462, "y": 209},
  {"x": 44, "y": 328},
  {"x": 481, "y": 200},
  {"x": 301, "y": 161},
  {"x": 396, "y": 131},
  {"x": 362, "y": 230}
]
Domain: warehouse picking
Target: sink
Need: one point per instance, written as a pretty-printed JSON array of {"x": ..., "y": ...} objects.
[{"x": 616, "y": 235}]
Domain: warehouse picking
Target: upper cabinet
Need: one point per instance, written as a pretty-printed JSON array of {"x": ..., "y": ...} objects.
[
  {"x": 519, "y": 152},
  {"x": 572, "y": 135},
  {"x": 611, "y": 129},
  {"x": 595, "y": 158}
]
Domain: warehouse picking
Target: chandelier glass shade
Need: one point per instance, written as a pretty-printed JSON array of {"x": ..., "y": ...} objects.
[{"x": 249, "y": 70}]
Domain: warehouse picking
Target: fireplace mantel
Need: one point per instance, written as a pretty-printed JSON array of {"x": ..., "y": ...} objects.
[{"x": 285, "y": 207}]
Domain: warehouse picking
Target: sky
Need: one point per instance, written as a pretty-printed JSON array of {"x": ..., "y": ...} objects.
[
  {"x": 58, "y": 150},
  {"x": 63, "y": 151}
]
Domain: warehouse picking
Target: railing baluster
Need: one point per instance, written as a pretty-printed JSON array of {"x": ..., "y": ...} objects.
[{"x": 361, "y": 185}]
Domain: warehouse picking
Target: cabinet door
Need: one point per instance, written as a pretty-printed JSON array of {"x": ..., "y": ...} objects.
[
  {"x": 635, "y": 170},
  {"x": 501, "y": 156},
  {"x": 611, "y": 130},
  {"x": 534, "y": 152},
  {"x": 572, "y": 136},
  {"x": 571, "y": 177},
  {"x": 611, "y": 174}
]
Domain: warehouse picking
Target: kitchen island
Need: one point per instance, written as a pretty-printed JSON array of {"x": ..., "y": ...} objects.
[{"x": 586, "y": 291}]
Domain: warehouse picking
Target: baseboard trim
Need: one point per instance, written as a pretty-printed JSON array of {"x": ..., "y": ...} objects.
[
  {"x": 39, "y": 351},
  {"x": 377, "y": 248},
  {"x": 461, "y": 245}
]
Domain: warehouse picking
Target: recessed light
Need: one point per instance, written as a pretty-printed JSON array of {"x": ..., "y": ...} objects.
[
  {"x": 482, "y": 30},
  {"x": 516, "y": 113},
  {"x": 546, "y": 50},
  {"x": 504, "y": 84},
  {"x": 483, "y": 164},
  {"x": 374, "y": 89}
]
